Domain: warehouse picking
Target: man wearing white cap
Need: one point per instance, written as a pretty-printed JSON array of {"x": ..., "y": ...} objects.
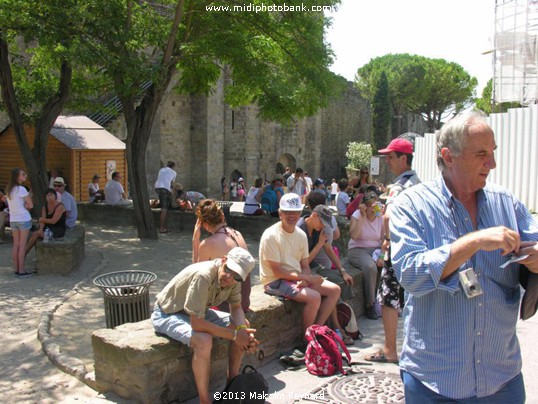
[
  {"x": 181, "y": 312},
  {"x": 284, "y": 268}
]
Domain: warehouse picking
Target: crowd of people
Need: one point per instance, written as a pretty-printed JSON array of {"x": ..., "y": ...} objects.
[
  {"x": 416, "y": 244},
  {"x": 408, "y": 237}
]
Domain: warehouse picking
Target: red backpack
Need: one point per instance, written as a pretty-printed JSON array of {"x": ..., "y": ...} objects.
[{"x": 322, "y": 357}]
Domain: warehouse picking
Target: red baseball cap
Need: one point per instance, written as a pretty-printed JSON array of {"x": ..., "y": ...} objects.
[{"x": 398, "y": 145}]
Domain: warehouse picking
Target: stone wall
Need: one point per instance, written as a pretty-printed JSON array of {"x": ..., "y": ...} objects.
[{"x": 208, "y": 139}]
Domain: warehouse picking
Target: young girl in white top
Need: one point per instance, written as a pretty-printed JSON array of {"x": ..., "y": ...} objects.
[{"x": 20, "y": 202}]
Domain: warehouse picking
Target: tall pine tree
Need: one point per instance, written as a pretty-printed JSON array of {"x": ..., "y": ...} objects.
[{"x": 381, "y": 113}]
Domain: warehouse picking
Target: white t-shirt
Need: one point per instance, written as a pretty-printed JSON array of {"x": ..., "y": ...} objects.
[
  {"x": 334, "y": 188},
  {"x": 278, "y": 245},
  {"x": 165, "y": 178},
  {"x": 17, "y": 211},
  {"x": 92, "y": 189},
  {"x": 342, "y": 200},
  {"x": 308, "y": 184},
  {"x": 251, "y": 204},
  {"x": 113, "y": 192}
]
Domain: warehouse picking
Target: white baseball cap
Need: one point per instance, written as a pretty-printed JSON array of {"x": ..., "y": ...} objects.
[
  {"x": 240, "y": 261},
  {"x": 291, "y": 203}
]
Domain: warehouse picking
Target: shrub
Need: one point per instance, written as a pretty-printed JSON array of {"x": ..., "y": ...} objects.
[{"x": 358, "y": 155}]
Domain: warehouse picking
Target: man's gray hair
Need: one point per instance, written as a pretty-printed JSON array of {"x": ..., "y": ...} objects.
[{"x": 453, "y": 133}]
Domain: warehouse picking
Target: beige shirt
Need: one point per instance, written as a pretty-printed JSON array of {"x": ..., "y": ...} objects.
[
  {"x": 280, "y": 246},
  {"x": 197, "y": 288}
]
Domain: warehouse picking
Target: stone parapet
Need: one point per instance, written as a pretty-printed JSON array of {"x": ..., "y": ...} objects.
[
  {"x": 134, "y": 362},
  {"x": 61, "y": 256}
]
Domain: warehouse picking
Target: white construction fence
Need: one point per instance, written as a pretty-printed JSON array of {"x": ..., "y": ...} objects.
[{"x": 516, "y": 134}]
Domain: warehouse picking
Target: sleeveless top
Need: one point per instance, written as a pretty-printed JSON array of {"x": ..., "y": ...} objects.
[{"x": 58, "y": 228}]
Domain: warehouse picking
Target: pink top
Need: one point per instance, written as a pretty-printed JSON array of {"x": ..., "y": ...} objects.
[{"x": 371, "y": 232}]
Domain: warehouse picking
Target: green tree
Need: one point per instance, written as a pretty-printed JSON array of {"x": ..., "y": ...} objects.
[
  {"x": 381, "y": 113},
  {"x": 277, "y": 60},
  {"x": 485, "y": 103},
  {"x": 433, "y": 88},
  {"x": 42, "y": 62},
  {"x": 38, "y": 100}
]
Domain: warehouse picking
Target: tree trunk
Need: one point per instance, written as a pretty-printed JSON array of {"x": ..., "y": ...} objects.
[
  {"x": 139, "y": 123},
  {"x": 136, "y": 161}
]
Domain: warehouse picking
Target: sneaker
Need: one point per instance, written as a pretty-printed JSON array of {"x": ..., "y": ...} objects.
[
  {"x": 371, "y": 314},
  {"x": 24, "y": 274}
]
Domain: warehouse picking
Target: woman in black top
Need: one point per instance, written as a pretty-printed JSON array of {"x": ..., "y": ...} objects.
[{"x": 52, "y": 217}]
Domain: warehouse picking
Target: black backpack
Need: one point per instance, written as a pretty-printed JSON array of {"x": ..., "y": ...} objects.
[{"x": 248, "y": 387}]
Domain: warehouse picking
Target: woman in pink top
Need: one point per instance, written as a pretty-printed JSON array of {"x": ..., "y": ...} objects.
[{"x": 365, "y": 237}]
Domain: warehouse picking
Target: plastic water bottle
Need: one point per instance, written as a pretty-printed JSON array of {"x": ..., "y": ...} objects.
[
  {"x": 47, "y": 235},
  {"x": 339, "y": 333}
]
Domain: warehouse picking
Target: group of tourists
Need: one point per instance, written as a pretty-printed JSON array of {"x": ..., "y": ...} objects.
[
  {"x": 418, "y": 245},
  {"x": 421, "y": 240},
  {"x": 58, "y": 215}
]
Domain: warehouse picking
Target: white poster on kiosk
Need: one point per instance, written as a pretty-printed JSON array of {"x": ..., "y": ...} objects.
[{"x": 374, "y": 166}]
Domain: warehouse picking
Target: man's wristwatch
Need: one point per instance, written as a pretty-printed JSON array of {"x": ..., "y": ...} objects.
[{"x": 387, "y": 238}]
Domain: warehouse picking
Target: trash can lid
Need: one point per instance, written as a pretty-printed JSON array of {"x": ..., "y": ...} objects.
[{"x": 124, "y": 279}]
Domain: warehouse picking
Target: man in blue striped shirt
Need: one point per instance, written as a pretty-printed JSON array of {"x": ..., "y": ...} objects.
[{"x": 458, "y": 348}]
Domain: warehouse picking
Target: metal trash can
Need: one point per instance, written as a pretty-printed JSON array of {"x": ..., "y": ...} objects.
[
  {"x": 225, "y": 206},
  {"x": 126, "y": 295}
]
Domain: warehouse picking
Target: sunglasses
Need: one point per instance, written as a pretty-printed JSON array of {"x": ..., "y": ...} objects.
[
  {"x": 58, "y": 185},
  {"x": 364, "y": 172},
  {"x": 235, "y": 275}
]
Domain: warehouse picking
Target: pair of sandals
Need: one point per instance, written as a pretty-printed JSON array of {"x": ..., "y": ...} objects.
[{"x": 380, "y": 357}]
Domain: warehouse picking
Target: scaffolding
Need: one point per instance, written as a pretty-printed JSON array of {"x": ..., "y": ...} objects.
[{"x": 515, "y": 62}]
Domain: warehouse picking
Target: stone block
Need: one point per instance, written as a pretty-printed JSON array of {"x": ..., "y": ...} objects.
[
  {"x": 136, "y": 363},
  {"x": 61, "y": 256}
]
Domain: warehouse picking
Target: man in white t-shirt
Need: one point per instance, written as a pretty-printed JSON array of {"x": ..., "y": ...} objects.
[
  {"x": 166, "y": 177},
  {"x": 114, "y": 192},
  {"x": 284, "y": 268},
  {"x": 296, "y": 183},
  {"x": 334, "y": 191}
]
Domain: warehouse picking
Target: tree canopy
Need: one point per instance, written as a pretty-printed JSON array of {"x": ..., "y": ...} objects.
[
  {"x": 433, "y": 88},
  {"x": 42, "y": 62},
  {"x": 275, "y": 59}
]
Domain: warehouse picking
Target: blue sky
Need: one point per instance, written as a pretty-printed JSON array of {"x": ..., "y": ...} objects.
[{"x": 457, "y": 30}]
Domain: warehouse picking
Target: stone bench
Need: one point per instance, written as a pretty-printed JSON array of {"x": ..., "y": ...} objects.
[
  {"x": 136, "y": 363},
  {"x": 61, "y": 256}
]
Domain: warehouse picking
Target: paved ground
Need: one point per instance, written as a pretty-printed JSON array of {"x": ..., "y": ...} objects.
[{"x": 76, "y": 309}]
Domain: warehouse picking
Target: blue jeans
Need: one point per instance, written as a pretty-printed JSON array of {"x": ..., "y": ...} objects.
[
  {"x": 21, "y": 225},
  {"x": 512, "y": 392}
]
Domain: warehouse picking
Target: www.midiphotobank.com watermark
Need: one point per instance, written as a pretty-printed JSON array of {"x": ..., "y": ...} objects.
[{"x": 270, "y": 7}]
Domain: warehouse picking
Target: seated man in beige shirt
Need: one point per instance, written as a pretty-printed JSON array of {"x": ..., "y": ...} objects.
[
  {"x": 182, "y": 312},
  {"x": 284, "y": 268}
]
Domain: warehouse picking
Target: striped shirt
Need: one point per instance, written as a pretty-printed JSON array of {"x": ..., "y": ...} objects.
[{"x": 457, "y": 347}]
